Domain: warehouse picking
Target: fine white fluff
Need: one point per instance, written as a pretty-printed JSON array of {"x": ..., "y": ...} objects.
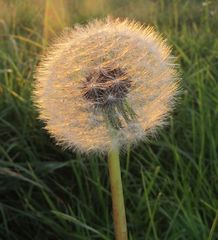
[{"x": 128, "y": 45}]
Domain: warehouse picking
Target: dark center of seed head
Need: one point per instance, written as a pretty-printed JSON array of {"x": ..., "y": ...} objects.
[
  {"x": 106, "y": 86},
  {"x": 107, "y": 90}
]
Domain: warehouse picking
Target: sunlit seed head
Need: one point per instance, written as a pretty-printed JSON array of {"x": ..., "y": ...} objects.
[{"x": 107, "y": 80}]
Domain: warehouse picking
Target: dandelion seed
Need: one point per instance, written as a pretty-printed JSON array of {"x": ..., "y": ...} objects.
[{"x": 118, "y": 71}]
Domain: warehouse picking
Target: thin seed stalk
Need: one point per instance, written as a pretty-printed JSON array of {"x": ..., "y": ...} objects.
[{"x": 119, "y": 215}]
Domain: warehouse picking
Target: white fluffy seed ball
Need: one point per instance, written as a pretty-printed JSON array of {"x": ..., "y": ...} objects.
[{"x": 110, "y": 80}]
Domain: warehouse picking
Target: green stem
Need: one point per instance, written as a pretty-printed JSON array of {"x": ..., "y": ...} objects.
[{"x": 117, "y": 194}]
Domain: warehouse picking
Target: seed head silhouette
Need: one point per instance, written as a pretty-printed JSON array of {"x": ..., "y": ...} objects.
[{"x": 110, "y": 79}]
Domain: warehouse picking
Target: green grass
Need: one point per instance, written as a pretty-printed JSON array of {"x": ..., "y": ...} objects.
[{"x": 170, "y": 183}]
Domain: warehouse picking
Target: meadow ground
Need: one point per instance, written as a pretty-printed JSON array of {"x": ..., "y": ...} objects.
[{"x": 170, "y": 183}]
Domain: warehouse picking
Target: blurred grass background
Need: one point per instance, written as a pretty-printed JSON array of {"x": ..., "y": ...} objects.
[{"x": 170, "y": 183}]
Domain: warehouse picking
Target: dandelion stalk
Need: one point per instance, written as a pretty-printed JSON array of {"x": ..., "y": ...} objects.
[{"x": 117, "y": 194}]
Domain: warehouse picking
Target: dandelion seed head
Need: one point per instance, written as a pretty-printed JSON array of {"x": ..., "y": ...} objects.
[{"x": 108, "y": 79}]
